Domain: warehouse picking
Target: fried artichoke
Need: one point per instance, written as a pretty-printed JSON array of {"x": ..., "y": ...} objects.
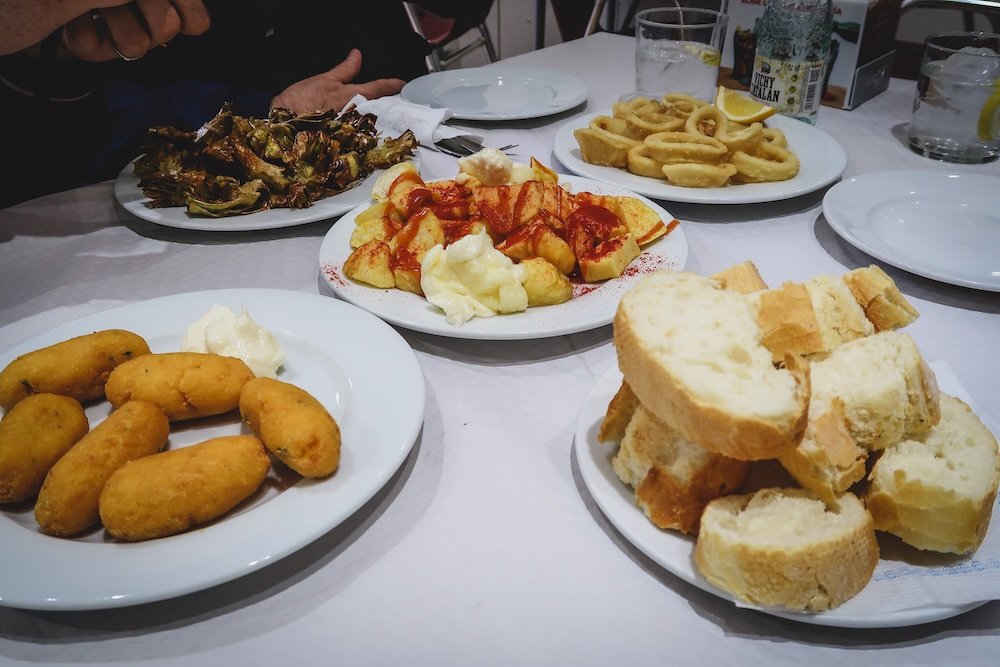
[{"x": 235, "y": 165}]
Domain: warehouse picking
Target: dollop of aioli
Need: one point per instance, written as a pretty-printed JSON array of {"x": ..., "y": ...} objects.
[
  {"x": 221, "y": 331},
  {"x": 470, "y": 278},
  {"x": 491, "y": 166}
]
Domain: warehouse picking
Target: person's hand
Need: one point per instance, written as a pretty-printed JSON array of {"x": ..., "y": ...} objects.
[
  {"x": 129, "y": 31},
  {"x": 334, "y": 89},
  {"x": 24, "y": 23}
]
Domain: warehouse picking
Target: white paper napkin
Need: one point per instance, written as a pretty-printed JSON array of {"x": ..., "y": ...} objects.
[{"x": 396, "y": 115}]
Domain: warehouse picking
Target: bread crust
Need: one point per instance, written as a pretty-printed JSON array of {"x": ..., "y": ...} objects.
[
  {"x": 674, "y": 504},
  {"x": 744, "y": 278},
  {"x": 880, "y": 298},
  {"x": 620, "y": 410},
  {"x": 713, "y": 427},
  {"x": 817, "y": 576},
  {"x": 788, "y": 322}
]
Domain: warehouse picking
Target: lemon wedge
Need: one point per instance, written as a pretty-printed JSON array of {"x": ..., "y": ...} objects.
[
  {"x": 705, "y": 54},
  {"x": 740, "y": 108},
  {"x": 988, "y": 127}
]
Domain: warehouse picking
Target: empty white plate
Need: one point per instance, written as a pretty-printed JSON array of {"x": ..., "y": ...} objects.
[
  {"x": 940, "y": 225},
  {"x": 497, "y": 92}
]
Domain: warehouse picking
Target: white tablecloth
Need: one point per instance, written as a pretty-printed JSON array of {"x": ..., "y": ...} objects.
[{"x": 486, "y": 548}]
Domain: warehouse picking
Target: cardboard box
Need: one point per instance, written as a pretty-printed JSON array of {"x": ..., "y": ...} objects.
[{"x": 864, "y": 33}]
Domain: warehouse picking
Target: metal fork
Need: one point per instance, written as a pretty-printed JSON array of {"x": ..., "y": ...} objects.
[{"x": 463, "y": 146}]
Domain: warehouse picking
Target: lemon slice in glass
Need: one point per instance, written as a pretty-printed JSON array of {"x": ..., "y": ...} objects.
[
  {"x": 740, "y": 108},
  {"x": 705, "y": 54},
  {"x": 988, "y": 127}
]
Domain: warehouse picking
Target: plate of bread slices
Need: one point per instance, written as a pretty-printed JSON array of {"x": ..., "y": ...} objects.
[{"x": 790, "y": 449}]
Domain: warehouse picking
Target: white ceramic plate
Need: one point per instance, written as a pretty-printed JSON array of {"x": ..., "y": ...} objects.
[
  {"x": 592, "y": 305},
  {"x": 130, "y": 196},
  {"x": 497, "y": 92},
  {"x": 939, "y": 225},
  {"x": 362, "y": 371},
  {"x": 674, "y": 551},
  {"x": 822, "y": 160}
]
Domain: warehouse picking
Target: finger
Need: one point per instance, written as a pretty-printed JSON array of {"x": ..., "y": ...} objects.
[
  {"x": 161, "y": 19},
  {"x": 87, "y": 38},
  {"x": 348, "y": 68},
  {"x": 380, "y": 88},
  {"x": 194, "y": 16},
  {"x": 127, "y": 31}
]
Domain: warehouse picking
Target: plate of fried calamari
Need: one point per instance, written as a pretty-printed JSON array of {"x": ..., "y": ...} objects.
[
  {"x": 684, "y": 150},
  {"x": 358, "y": 369},
  {"x": 239, "y": 174},
  {"x": 546, "y": 256}
]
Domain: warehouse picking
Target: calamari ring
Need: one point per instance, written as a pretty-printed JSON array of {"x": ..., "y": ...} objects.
[
  {"x": 640, "y": 164},
  {"x": 619, "y": 109},
  {"x": 599, "y": 146},
  {"x": 609, "y": 124},
  {"x": 770, "y": 163},
  {"x": 678, "y": 147},
  {"x": 641, "y": 125},
  {"x": 682, "y": 105},
  {"x": 775, "y": 137},
  {"x": 697, "y": 175},
  {"x": 746, "y": 139},
  {"x": 707, "y": 120}
]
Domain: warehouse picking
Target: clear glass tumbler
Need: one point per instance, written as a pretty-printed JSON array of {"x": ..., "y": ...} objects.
[
  {"x": 956, "y": 113},
  {"x": 678, "y": 50}
]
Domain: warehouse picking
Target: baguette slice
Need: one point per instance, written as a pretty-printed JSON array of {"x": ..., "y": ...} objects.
[
  {"x": 788, "y": 321},
  {"x": 743, "y": 278},
  {"x": 786, "y": 548},
  {"x": 841, "y": 318},
  {"x": 692, "y": 354},
  {"x": 937, "y": 493},
  {"x": 673, "y": 478},
  {"x": 888, "y": 391},
  {"x": 880, "y": 298}
]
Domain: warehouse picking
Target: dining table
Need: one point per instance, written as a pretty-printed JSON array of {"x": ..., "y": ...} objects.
[{"x": 485, "y": 546}]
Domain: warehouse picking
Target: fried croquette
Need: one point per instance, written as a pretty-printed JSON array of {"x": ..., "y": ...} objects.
[
  {"x": 294, "y": 426},
  {"x": 33, "y": 435},
  {"x": 170, "y": 492},
  {"x": 77, "y": 367},
  {"x": 186, "y": 385},
  {"x": 67, "y": 502}
]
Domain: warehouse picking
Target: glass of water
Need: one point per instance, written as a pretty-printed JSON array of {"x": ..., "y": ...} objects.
[
  {"x": 677, "y": 50},
  {"x": 956, "y": 113}
]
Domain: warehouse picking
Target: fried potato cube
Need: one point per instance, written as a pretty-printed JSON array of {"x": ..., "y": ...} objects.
[
  {"x": 408, "y": 193},
  {"x": 378, "y": 228},
  {"x": 170, "y": 492},
  {"x": 294, "y": 426},
  {"x": 542, "y": 172},
  {"x": 68, "y": 500},
  {"x": 406, "y": 272},
  {"x": 507, "y": 207},
  {"x": 590, "y": 225},
  {"x": 536, "y": 239},
  {"x": 34, "y": 434},
  {"x": 370, "y": 263},
  {"x": 644, "y": 224},
  {"x": 376, "y": 211},
  {"x": 609, "y": 259},
  {"x": 421, "y": 232},
  {"x": 186, "y": 385},
  {"x": 77, "y": 367},
  {"x": 544, "y": 283}
]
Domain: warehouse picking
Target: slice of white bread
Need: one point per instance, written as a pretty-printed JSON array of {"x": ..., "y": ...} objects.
[
  {"x": 692, "y": 354},
  {"x": 888, "y": 391},
  {"x": 673, "y": 478},
  {"x": 937, "y": 493},
  {"x": 810, "y": 318},
  {"x": 828, "y": 461},
  {"x": 743, "y": 278},
  {"x": 880, "y": 298},
  {"x": 620, "y": 410},
  {"x": 786, "y": 548}
]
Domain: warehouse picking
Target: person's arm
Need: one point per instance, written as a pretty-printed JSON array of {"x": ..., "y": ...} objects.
[
  {"x": 98, "y": 30},
  {"x": 334, "y": 89}
]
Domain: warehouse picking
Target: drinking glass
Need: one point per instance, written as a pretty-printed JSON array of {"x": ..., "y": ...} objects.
[
  {"x": 955, "y": 113},
  {"x": 677, "y": 50}
]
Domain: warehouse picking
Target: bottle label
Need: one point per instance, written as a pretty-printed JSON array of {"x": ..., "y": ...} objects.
[{"x": 791, "y": 87}]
